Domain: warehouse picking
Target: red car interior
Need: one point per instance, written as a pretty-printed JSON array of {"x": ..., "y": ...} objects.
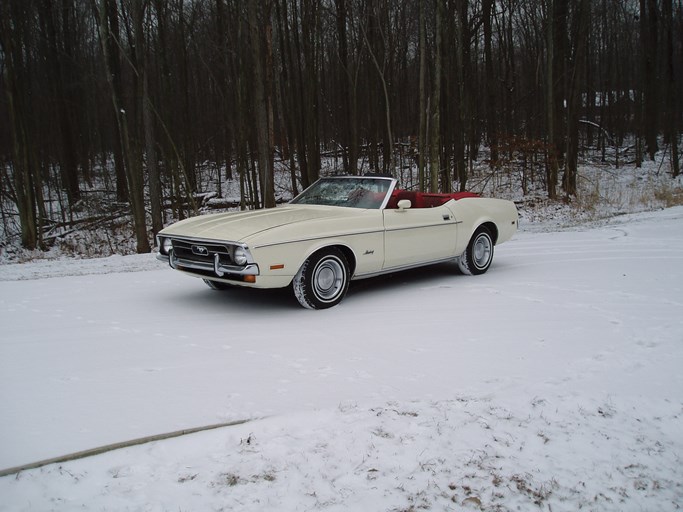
[{"x": 425, "y": 199}]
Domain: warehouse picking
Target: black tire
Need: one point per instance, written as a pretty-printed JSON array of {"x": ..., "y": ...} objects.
[
  {"x": 322, "y": 281},
  {"x": 478, "y": 256},
  {"x": 217, "y": 285}
]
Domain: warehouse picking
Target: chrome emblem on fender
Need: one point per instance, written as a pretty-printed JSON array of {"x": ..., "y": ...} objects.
[{"x": 200, "y": 250}]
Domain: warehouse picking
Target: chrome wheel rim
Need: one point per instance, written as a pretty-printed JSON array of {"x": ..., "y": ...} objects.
[
  {"x": 329, "y": 278},
  {"x": 481, "y": 251}
]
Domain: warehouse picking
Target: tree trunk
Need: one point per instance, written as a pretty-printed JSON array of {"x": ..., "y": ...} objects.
[
  {"x": 435, "y": 122},
  {"x": 648, "y": 38},
  {"x": 59, "y": 34},
  {"x": 350, "y": 147},
  {"x": 460, "y": 114},
  {"x": 672, "y": 98},
  {"x": 491, "y": 110},
  {"x": 422, "y": 108},
  {"x": 133, "y": 168},
  {"x": 262, "y": 102},
  {"x": 574, "y": 104},
  {"x": 113, "y": 65},
  {"x": 552, "y": 121},
  {"x": 155, "y": 190},
  {"x": 24, "y": 163}
]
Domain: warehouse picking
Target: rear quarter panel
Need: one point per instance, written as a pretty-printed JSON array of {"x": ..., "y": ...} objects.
[{"x": 473, "y": 212}]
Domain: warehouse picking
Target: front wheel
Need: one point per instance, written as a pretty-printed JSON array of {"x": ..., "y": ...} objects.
[
  {"x": 322, "y": 281},
  {"x": 478, "y": 256}
]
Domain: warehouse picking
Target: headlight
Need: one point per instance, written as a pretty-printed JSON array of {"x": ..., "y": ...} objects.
[
  {"x": 166, "y": 245},
  {"x": 240, "y": 256}
]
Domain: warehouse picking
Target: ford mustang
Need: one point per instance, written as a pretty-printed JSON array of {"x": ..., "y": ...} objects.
[{"x": 339, "y": 229}]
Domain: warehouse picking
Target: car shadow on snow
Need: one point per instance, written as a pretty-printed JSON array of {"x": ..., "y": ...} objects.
[
  {"x": 237, "y": 299},
  {"x": 401, "y": 282},
  {"x": 248, "y": 299}
]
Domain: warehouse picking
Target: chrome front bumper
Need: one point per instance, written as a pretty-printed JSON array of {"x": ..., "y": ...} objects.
[{"x": 217, "y": 267}]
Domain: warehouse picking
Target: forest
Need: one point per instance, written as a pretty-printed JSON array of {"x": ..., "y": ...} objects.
[{"x": 152, "y": 103}]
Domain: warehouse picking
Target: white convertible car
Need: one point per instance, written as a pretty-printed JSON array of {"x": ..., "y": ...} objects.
[{"x": 339, "y": 229}]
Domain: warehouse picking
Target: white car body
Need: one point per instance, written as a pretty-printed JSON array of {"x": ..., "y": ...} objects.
[{"x": 274, "y": 244}]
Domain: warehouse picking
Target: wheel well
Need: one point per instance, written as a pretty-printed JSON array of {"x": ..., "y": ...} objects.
[
  {"x": 493, "y": 229},
  {"x": 346, "y": 251}
]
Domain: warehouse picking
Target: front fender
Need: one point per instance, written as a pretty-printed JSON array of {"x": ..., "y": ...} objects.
[{"x": 364, "y": 252}]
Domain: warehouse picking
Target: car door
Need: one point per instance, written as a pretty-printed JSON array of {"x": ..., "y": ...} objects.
[{"x": 418, "y": 235}]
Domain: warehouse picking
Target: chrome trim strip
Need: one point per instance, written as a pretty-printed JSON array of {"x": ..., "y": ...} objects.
[
  {"x": 403, "y": 267},
  {"x": 356, "y": 233},
  {"x": 441, "y": 224},
  {"x": 220, "y": 270},
  {"x": 214, "y": 241},
  {"x": 310, "y": 239},
  {"x": 387, "y": 198}
]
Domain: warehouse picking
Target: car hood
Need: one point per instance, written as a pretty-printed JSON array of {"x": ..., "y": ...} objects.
[{"x": 236, "y": 226}]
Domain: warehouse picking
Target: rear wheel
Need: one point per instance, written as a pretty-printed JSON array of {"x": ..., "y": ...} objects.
[
  {"x": 323, "y": 279},
  {"x": 478, "y": 256}
]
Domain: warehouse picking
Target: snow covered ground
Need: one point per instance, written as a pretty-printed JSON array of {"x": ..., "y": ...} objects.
[{"x": 552, "y": 382}]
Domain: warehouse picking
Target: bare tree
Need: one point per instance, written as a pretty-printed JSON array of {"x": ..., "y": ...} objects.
[
  {"x": 422, "y": 134},
  {"x": 56, "y": 22},
  {"x": 175, "y": 95},
  {"x": 14, "y": 33},
  {"x": 555, "y": 30},
  {"x": 262, "y": 97},
  {"x": 490, "y": 83},
  {"x": 435, "y": 114},
  {"x": 133, "y": 165},
  {"x": 576, "y": 91},
  {"x": 649, "y": 39},
  {"x": 672, "y": 98}
]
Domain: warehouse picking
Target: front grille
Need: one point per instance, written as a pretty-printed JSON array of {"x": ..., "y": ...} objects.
[{"x": 202, "y": 252}]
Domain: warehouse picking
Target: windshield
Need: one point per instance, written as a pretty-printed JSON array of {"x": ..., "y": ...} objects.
[{"x": 351, "y": 192}]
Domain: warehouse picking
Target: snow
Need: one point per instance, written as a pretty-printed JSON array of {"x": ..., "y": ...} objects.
[{"x": 551, "y": 382}]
